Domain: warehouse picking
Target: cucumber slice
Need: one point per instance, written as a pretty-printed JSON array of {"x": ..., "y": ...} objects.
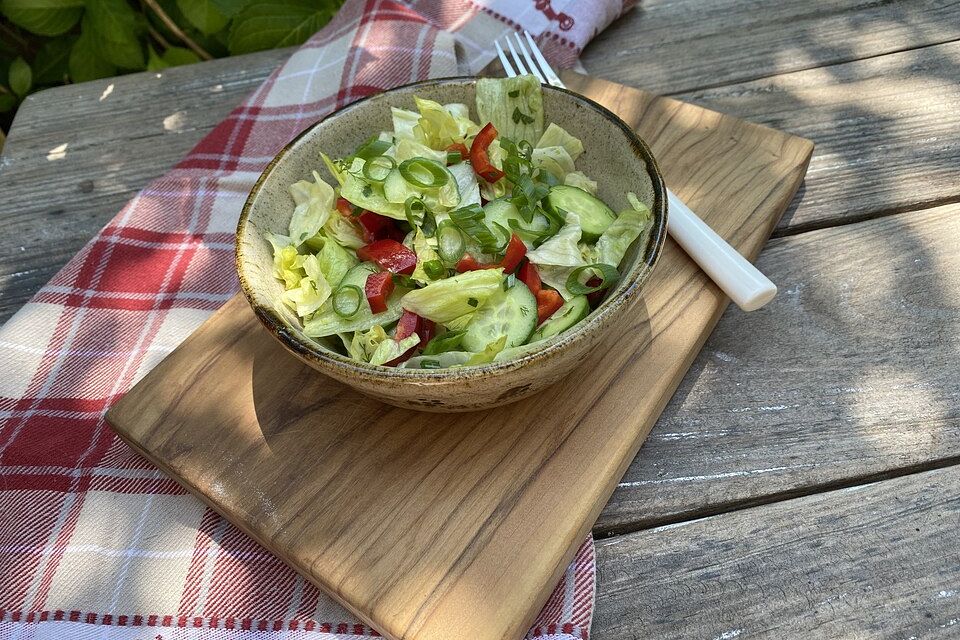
[
  {"x": 573, "y": 311},
  {"x": 512, "y": 313},
  {"x": 503, "y": 211},
  {"x": 595, "y": 216}
]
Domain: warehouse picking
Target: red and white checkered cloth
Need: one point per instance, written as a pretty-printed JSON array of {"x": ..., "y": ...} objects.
[{"x": 94, "y": 541}]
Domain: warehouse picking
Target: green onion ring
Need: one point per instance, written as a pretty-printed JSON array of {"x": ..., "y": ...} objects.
[
  {"x": 415, "y": 211},
  {"x": 346, "y": 300},
  {"x": 434, "y": 269},
  {"x": 377, "y": 162},
  {"x": 417, "y": 170},
  {"x": 454, "y": 157},
  {"x": 607, "y": 274},
  {"x": 450, "y": 243},
  {"x": 469, "y": 219}
]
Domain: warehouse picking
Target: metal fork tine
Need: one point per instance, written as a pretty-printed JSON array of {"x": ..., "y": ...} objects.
[
  {"x": 530, "y": 61},
  {"x": 516, "y": 58},
  {"x": 548, "y": 71},
  {"x": 507, "y": 67}
]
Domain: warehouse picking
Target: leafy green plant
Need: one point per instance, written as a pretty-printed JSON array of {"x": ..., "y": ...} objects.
[{"x": 44, "y": 43}]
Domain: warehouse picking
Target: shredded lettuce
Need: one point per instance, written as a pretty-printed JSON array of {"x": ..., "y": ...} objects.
[
  {"x": 376, "y": 346},
  {"x": 425, "y": 253},
  {"x": 408, "y": 148},
  {"x": 332, "y": 167},
  {"x": 437, "y": 127},
  {"x": 581, "y": 181},
  {"x": 403, "y": 123},
  {"x": 562, "y": 249},
  {"x": 311, "y": 292},
  {"x": 370, "y": 197},
  {"x": 344, "y": 232},
  {"x": 556, "y": 160},
  {"x": 314, "y": 202},
  {"x": 445, "y": 300},
  {"x": 392, "y": 349},
  {"x": 287, "y": 261},
  {"x": 489, "y": 352},
  {"x": 443, "y": 360},
  {"x": 556, "y": 136},
  {"x": 466, "y": 183},
  {"x": 630, "y": 223},
  {"x": 513, "y": 105},
  {"x": 335, "y": 261}
]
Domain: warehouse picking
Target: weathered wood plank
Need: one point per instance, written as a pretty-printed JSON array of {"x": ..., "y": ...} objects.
[
  {"x": 869, "y": 119},
  {"x": 875, "y": 561},
  {"x": 672, "y": 46},
  {"x": 852, "y": 371},
  {"x": 76, "y": 154},
  {"x": 887, "y": 132}
]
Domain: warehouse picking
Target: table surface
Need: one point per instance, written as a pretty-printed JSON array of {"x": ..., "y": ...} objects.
[{"x": 804, "y": 479}]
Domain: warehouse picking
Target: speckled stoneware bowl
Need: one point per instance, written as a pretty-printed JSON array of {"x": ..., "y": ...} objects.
[{"x": 614, "y": 156}]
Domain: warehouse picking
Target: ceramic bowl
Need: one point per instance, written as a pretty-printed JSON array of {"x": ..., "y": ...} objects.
[{"x": 614, "y": 156}]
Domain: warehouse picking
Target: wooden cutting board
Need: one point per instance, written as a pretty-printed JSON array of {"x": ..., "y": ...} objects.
[{"x": 445, "y": 527}]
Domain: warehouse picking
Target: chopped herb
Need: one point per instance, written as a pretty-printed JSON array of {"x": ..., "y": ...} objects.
[
  {"x": 473, "y": 302},
  {"x": 513, "y": 94},
  {"x": 429, "y": 364},
  {"x": 519, "y": 116},
  {"x": 367, "y": 191}
]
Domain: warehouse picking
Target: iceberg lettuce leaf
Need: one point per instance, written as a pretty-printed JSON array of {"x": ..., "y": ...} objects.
[
  {"x": 314, "y": 203},
  {"x": 563, "y": 248},
  {"x": 391, "y": 349},
  {"x": 556, "y": 136},
  {"x": 513, "y": 105},
  {"x": 581, "y": 181},
  {"x": 335, "y": 261},
  {"x": 370, "y": 197},
  {"x": 447, "y": 299},
  {"x": 629, "y": 224}
]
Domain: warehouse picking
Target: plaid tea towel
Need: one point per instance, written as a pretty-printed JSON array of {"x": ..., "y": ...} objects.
[{"x": 94, "y": 541}]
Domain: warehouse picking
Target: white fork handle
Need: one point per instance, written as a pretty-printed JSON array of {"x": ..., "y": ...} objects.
[{"x": 733, "y": 273}]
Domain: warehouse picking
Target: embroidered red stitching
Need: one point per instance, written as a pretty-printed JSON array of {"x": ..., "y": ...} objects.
[{"x": 565, "y": 20}]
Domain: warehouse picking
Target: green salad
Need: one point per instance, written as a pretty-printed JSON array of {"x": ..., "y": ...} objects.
[{"x": 451, "y": 241}]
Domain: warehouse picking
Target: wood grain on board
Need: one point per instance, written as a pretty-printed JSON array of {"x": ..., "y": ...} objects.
[
  {"x": 873, "y": 561},
  {"x": 434, "y": 527}
]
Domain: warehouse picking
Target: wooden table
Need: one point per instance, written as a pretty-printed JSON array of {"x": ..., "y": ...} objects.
[{"x": 804, "y": 479}]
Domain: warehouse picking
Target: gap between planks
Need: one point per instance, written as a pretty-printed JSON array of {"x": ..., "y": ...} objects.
[{"x": 773, "y": 498}]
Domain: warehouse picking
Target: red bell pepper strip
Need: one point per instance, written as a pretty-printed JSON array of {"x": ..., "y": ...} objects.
[
  {"x": 530, "y": 276},
  {"x": 469, "y": 263},
  {"x": 597, "y": 296},
  {"x": 459, "y": 147},
  {"x": 516, "y": 250},
  {"x": 389, "y": 255},
  {"x": 548, "y": 301},
  {"x": 378, "y": 288},
  {"x": 344, "y": 206},
  {"x": 479, "y": 157},
  {"x": 375, "y": 226},
  {"x": 426, "y": 331},
  {"x": 407, "y": 325}
]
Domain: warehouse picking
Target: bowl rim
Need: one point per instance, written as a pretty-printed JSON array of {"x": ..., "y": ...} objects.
[{"x": 310, "y": 351}]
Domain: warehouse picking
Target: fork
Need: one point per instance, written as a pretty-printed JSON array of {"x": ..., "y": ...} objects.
[{"x": 733, "y": 273}]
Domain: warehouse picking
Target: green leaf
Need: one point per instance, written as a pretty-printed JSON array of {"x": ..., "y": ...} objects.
[
  {"x": 268, "y": 24},
  {"x": 172, "y": 57},
  {"x": 85, "y": 62},
  {"x": 116, "y": 30},
  {"x": 7, "y": 101},
  {"x": 43, "y": 17},
  {"x": 50, "y": 65},
  {"x": 21, "y": 77},
  {"x": 205, "y": 15}
]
